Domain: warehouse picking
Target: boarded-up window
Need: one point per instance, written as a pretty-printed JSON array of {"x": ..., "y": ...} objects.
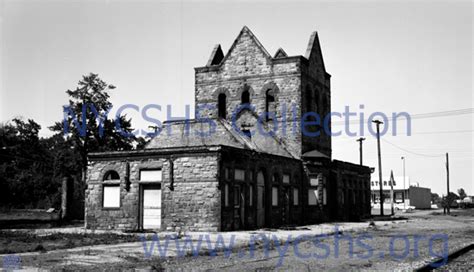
[
  {"x": 260, "y": 178},
  {"x": 239, "y": 174},
  {"x": 324, "y": 196},
  {"x": 226, "y": 173},
  {"x": 274, "y": 196},
  {"x": 151, "y": 175},
  {"x": 226, "y": 195},
  {"x": 286, "y": 178},
  {"x": 111, "y": 196},
  {"x": 236, "y": 196},
  {"x": 251, "y": 196},
  {"x": 312, "y": 196},
  {"x": 295, "y": 196}
]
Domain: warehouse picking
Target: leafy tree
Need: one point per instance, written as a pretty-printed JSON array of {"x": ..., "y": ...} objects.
[
  {"x": 86, "y": 125},
  {"x": 32, "y": 168},
  {"x": 141, "y": 142},
  {"x": 435, "y": 198},
  {"x": 25, "y": 171},
  {"x": 453, "y": 196},
  {"x": 462, "y": 194}
]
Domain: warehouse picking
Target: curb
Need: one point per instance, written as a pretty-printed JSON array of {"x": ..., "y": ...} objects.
[{"x": 437, "y": 263}]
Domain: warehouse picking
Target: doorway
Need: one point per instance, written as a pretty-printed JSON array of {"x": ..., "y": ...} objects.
[{"x": 150, "y": 206}]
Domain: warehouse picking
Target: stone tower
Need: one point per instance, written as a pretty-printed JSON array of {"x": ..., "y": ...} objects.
[{"x": 250, "y": 79}]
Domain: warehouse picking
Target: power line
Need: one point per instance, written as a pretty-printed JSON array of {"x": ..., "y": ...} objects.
[
  {"x": 348, "y": 137},
  {"x": 411, "y": 152},
  {"x": 440, "y": 132},
  {"x": 418, "y": 115}
]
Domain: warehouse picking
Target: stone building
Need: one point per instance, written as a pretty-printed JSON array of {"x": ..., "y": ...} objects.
[{"x": 245, "y": 162}]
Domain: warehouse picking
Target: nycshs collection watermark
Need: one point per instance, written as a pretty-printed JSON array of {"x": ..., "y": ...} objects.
[
  {"x": 324, "y": 246},
  {"x": 311, "y": 124}
]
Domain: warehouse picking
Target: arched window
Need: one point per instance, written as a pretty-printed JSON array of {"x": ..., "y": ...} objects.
[
  {"x": 269, "y": 104},
  {"x": 111, "y": 175},
  {"x": 222, "y": 105},
  {"x": 111, "y": 190},
  {"x": 245, "y": 97}
]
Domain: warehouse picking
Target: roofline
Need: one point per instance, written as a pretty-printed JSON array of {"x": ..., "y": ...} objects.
[
  {"x": 146, "y": 153},
  {"x": 351, "y": 165},
  {"x": 153, "y": 151},
  {"x": 299, "y": 58}
]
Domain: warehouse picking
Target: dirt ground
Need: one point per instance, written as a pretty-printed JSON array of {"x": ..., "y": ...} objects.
[
  {"x": 385, "y": 256},
  {"x": 17, "y": 242},
  {"x": 426, "y": 236}
]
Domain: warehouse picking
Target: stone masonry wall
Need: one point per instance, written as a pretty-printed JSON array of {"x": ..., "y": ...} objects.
[
  {"x": 127, "y": 216},
  {"x": 247, "y": 67},
  {"x": 192, "y": 205}
]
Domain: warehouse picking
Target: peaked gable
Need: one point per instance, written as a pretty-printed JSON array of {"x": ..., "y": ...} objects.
[
  {"x": 246, "y": 53},
  {"x": 216, "y": 56},
  {"x": 313, "y": 52},
  {"x": 280, "y": 53}
]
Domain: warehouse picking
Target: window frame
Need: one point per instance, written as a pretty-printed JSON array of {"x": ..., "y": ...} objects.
[
  {"x": 226, "y": 195},
  {"x": 251, "y": 192},
  {"x": 297, "y": 191},
  {"x": 273, "y": 198},
  {"x": 223, "y": 114},
  {"x": 313, "y": 189},
  {"x": 246, "y": 92},
  {"x": 269, "y": 101},
  {"x": 110, "y": 185},
  {"x": 150, "y": 181}
]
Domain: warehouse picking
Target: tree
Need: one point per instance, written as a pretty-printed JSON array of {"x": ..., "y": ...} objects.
[
  {"x": 86, "y": 128},
  {"x": 462, "y": 194},
  {"x": 142, "y": 142},
  {"x": 87, "y": 125},
  {"x": 435, "y": 198},
  {"x": 25, "y": 168},
  {"x": 453, "y": 196}
]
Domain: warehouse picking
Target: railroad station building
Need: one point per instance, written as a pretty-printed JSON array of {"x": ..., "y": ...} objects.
[{"x": 234, "y": 167}]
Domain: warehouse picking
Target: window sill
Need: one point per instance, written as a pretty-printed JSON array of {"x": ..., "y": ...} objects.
[{"x": 111, "y": 208}]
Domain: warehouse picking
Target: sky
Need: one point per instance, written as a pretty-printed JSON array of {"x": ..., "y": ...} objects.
[{"x": 390, "y": 56}]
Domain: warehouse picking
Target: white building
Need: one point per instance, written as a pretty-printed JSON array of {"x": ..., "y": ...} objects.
[{"x": 405, "y": 194}]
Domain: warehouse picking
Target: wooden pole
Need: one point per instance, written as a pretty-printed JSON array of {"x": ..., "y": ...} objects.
[
  {"x": 360, "y": 140},
  {"x": 377, "y": 122},
  {"x": 447, "y": 184}
]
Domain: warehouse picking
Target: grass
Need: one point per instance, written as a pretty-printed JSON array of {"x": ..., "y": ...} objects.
[{"x": 17, "y": 242}]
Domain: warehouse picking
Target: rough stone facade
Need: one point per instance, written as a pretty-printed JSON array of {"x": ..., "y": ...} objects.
[
  {"x": 252, "y": 170},
  {"x": 298, "y": 85}
]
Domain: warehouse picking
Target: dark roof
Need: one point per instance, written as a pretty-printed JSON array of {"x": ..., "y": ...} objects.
[
  {"x": 183, "y": 134},
  {"x": 314, "y": 154}
]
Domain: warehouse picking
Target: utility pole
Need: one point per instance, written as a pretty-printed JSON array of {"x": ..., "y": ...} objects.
[
  {"x": 392, "y": 180},
  {"x": 360, "y": 140},
  {"x": 378, "y": 122},
  {"x": 448, "y": 200},
  {"x": 404, "y": 193}
]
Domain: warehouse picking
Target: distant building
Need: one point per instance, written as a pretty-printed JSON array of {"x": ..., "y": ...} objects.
[{"x": 405, "y": 194}]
